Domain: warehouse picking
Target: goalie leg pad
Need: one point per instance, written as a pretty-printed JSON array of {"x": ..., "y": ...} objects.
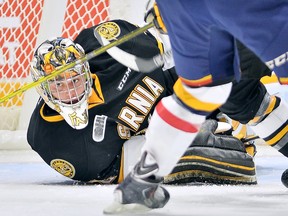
[
  {"x": 215, "y": 166},
  {"x": 214, "y": 158}
]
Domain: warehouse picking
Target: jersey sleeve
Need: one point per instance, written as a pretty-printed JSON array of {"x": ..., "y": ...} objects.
[{"x": 144, "y": 45}]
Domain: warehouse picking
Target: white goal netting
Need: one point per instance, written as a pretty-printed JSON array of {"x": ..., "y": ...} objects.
[{"x": 24, "y": 24}]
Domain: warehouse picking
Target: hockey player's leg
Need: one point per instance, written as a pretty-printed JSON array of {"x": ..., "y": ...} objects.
[
  {"x": 268, "y": 118},
  {"x": 177, "y": 119},
  {"x": 168, "y": 136},
  {"x": 271, "y": 123},
  {"x": 172, "y": 129}
]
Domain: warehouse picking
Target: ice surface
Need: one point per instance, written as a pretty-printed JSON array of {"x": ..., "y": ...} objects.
[{"x": 30, "y": 187}]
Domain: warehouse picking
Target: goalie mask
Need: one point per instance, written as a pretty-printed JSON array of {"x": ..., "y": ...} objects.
[{"x": 68, "y": 92}]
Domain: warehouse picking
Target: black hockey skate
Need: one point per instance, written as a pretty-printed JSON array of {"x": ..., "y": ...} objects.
[{"x": 140, "y": 191}]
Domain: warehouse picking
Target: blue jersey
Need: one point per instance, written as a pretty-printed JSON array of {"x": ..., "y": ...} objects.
[{"x": 203, "y": 32}]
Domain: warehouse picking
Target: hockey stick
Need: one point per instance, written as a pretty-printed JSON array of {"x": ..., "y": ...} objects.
[
  {"x": 135, "y": 63},
  {"x": 87, "y": 57},
  {"x": 248, "y": 139}
]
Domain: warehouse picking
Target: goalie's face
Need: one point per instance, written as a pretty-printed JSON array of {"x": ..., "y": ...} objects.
[
  {"x": 68, "y": 92},
  {"x": 68, "y": 88}
]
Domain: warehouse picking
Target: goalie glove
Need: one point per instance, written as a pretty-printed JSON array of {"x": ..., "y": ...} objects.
[
  {"x": 214, "y": 158},
  {"x": 153, "y": 15}
]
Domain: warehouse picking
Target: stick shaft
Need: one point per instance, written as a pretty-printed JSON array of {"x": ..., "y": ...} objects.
[{"x": 87, "y": 57}]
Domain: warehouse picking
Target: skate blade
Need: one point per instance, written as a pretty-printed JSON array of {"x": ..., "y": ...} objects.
[{"x": 118, "y": 208}]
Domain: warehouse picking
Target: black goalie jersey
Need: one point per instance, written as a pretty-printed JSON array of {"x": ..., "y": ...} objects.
[{"x": 119, "y": 108}]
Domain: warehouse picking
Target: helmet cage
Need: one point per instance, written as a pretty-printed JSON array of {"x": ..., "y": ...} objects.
[{"x": 68, "y": 92}]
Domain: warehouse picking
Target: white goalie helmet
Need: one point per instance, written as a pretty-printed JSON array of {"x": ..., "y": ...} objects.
[{"x": 68, "y": 92}]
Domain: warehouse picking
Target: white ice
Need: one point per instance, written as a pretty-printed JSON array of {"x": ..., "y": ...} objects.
[{"x": 30, "y": 187}]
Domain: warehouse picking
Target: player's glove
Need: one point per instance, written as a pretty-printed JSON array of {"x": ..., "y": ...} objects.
[
  {"x": 214, "y": 158},
  {"x": 153, "y": 15}
]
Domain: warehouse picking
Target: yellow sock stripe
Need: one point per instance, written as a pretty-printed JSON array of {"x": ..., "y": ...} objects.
[
  {"x": 278, "y": 136},
  {"x": 193, "y": 157},
  {"x": 191, "y": 101},
  {"x": 271, "y": 105}
]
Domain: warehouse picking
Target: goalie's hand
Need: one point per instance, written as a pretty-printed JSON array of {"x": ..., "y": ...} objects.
[
  {"x": 153, "y": 15},
  {"x": 210, "y": 136}
]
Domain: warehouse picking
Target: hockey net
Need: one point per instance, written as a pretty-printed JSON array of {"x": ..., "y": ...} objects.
[{"x": 21, "y": 24}]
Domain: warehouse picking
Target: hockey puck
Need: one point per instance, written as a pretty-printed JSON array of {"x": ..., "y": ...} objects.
[{"x": 284, "y": 178}]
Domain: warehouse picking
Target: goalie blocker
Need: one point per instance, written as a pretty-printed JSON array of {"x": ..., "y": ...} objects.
[{"x": 216, "y": 158}]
